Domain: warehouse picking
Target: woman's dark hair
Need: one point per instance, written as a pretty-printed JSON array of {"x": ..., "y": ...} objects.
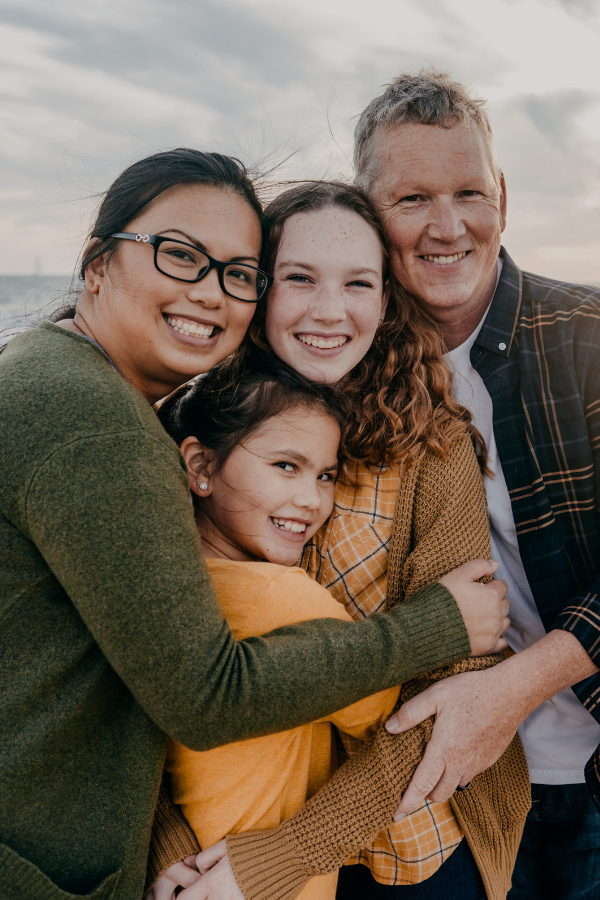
[
  {"x": 142, "y": 182},
  {"x": 398, "y": 399},
  {"x": 228, "y": 404}
]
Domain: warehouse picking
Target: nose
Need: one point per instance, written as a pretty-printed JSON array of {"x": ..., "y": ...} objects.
[
  {"x": 328, "y": 305},
  {"x": 208, "y": 291},
  {"x": 307, "y": 495},
  {"x": 446, "y": 222}
]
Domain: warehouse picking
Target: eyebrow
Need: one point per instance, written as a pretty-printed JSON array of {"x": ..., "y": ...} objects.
[
  {"x": 201, "y": 246},
  {"x": 290, "y": 263}
]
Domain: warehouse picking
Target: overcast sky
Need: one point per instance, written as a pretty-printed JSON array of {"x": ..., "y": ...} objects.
[{"x": 87, "y": 88}]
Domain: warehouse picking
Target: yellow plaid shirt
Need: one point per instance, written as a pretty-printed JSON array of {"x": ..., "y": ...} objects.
[{"x": 349, "y": 556}]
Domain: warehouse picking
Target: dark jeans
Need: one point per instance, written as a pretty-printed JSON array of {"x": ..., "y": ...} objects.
[
  {"x": 456, "y": 879},
  {"x": 559, "y": 856}
]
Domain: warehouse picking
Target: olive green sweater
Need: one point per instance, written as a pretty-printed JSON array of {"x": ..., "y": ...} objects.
[{"x": 111, "y": 637}]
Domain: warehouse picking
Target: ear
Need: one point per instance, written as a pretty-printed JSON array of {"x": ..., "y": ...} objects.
[
  {"x": 197, "y": 459},
  {"x": 95, "y": 273},
  {"x": 503, "y": 202}
]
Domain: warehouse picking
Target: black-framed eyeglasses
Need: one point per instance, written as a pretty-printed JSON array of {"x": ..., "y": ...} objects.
[{"x": 185, "y": 262}]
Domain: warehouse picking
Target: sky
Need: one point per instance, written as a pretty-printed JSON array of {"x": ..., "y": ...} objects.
[{"x": 87, "y": 88}]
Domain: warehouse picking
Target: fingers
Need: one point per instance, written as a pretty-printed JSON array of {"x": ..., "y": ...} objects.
[
  {"x": 211, "y": 856},
  {"x": 445, "y": 786},
  {"x": 471, "y": 571},
  {"x": 197, "y": 891},
  {"x": 162, "y": 890},
  {"x": 427, "y": 776},
  {"x": 501, "y": 645},
  {"x": 413, "y": 712},
  {"x": 183, "y": 875},
  {"x": 177, "y": 875},
  {"x": 499, "y": 587}
]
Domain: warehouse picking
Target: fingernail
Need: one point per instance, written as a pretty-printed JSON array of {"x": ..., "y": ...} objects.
[
  {"x": 392, "y": 727},
  {"x": 494, "y": 563},
  {"x": 399, "y": 816}
]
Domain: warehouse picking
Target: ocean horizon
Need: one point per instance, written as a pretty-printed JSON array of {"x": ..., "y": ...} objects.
[{"x": 25, "y": 298}]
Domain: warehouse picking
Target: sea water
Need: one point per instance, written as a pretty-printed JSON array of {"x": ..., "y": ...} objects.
[{"x": 26, "y": 298}]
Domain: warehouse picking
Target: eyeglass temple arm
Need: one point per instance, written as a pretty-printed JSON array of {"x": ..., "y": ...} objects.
[{"x": 130, "y": 236}]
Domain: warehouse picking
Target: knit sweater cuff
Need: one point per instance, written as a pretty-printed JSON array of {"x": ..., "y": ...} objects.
[
  {"x": 266, "y": 865},
  {"x": 172, "y": 840},
  {"x": 434, "y": 627}
]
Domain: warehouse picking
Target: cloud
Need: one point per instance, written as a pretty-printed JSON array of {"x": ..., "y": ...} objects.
[
  {"x": 87, "y": 88},
  {"x": 556, "y": 114},
  {"x": 553, "y": 174}
]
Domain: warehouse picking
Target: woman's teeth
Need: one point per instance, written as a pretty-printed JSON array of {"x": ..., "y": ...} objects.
[
  {"x": 288, "y": 525},
  {"x": 183, "y": 326},
  {"x": 321, "y": 343},
  {"x": 445, "y": 260}
]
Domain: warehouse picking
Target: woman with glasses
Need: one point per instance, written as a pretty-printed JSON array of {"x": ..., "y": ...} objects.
[{"x": 111, "y": 636}]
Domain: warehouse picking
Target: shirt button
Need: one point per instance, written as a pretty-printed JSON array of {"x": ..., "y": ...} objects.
[{"x": 502, "y": 346}]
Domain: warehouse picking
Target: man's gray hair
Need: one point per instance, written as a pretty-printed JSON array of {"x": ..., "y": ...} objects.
[{"x": 428, "y": 98}]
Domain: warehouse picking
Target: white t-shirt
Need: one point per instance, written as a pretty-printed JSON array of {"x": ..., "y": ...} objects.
[{"x": 560, "y": 735}]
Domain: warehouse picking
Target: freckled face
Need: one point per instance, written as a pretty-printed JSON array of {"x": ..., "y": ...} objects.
[
  {"x": 328, "y": 294},
  {"x": 443, "y": 212}
]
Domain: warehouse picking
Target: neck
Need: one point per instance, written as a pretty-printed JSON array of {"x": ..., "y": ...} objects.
[
  {"x": 215, "y": 545},
  {"x": 459, "y": 324}
]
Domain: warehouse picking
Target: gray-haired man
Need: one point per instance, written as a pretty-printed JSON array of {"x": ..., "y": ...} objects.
[{"x": 526, "y": 356}]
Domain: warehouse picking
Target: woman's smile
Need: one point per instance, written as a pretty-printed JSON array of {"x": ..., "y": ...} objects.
[{"x": 191, "y": 330}]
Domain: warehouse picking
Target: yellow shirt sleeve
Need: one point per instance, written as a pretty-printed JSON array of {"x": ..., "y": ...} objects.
[{"x": 289, "y": 597}]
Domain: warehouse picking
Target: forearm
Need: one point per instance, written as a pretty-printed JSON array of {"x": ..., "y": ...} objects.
[
  {"x": 140, "y": 586},
  {"x": 554, "y": 663},
  {"x": 340, "y": 819}
]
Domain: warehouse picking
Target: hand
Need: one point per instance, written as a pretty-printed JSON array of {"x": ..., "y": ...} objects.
[
  {"x": 476, "y": 717},
  {"x": 484, "y": 607},
  {"x": 181, "y": 874},
  {"x": 478, "y": 713},
  {"x": 217, "y": 881}
]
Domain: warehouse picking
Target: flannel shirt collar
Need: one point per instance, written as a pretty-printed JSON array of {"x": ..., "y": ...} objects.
[{"x": 500, "y": 326}]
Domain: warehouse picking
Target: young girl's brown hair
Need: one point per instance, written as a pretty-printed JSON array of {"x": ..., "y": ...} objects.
[{"x": 398, "y": 399}]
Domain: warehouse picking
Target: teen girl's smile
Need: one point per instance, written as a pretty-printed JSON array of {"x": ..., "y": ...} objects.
[{"x": 328, "y": 295}]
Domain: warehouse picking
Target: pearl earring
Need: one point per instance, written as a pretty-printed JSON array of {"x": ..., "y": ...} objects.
[{"x": 203, "y": 485}]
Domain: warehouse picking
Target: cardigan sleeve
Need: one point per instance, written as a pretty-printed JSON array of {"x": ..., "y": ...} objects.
[
  {"x": 449, "y": 522},
  {"x": 449, "y": 527},
  {"x": 172, "y": 838}
]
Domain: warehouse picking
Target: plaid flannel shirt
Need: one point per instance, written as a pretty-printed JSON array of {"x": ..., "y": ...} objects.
[{"x": 538, "y": 354}]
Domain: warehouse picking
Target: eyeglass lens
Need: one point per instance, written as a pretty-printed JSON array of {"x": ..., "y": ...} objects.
[{"x": 187, "y": 264}]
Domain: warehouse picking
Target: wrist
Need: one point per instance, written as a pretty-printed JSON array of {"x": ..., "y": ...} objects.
[{"x": 555, "y": 662}]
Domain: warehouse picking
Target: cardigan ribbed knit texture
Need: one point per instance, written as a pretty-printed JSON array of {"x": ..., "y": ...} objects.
[
  {"x": 111, "y": 635},
  {"x": 361, "y": 797}
]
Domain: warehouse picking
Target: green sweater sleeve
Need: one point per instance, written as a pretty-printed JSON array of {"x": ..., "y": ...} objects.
[{"x": 112, "y": 518}]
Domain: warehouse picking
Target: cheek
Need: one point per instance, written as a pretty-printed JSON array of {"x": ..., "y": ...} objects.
[
  {"x": 281, "y": 316},
  {"x": 403, "y": 234},
  {"x": 365, "y": 318},
  {"x": 238, "y": 320}
]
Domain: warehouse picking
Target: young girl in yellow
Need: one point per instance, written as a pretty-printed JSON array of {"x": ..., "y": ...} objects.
[{"x": 261, "y": 449}]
